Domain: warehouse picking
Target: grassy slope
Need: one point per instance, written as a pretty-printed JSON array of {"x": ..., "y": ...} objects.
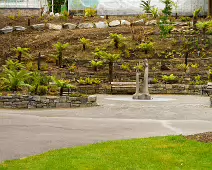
[{"x": 152, "y": 153}]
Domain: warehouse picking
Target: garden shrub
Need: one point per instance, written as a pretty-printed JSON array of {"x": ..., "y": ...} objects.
[{"x": 170, "y": 79}]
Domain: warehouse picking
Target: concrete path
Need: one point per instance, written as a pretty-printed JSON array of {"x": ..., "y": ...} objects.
[{"x": 29, "y": 132}]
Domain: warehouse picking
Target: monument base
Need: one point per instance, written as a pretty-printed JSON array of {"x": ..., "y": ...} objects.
[{"x": 142, "y": 96}]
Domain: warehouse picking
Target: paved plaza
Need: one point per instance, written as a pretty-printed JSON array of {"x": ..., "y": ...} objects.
[{"x": 29, "y": 132}]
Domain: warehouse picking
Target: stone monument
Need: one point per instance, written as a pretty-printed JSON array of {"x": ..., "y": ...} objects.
[{"x": 145, "y": 91}]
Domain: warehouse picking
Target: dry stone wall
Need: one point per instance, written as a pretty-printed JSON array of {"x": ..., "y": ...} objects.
[{"x": 30, "y": 102}]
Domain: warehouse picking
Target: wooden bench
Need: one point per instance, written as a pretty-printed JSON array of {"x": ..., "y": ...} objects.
[
  {"x": 122, "y": 86},
  {"x": 207, "y": 89}
]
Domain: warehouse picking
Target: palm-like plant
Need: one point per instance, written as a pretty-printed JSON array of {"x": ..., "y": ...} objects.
[
  {"x": 60, "y": 48},
  {"x": 13, "y": 65},
  {"x": 117, "y": 40},
  {"x": 154, "y": 12},
  {"x": 195, "y": 17},
  {"x": 14, "y": 79},
  {"x": 203, "y": 26},
  {"x": 85, "y": 43},
  {"x": 62, "y": 84},
  {"x": 146, "y": 47},
  {"x": 96, "y": 64},
  {"x": 146, "y": 6},
  {"x": 110, "y": 59},
  {"x": 21, "y": 52}
]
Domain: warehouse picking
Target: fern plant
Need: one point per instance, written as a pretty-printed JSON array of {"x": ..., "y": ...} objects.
[
  {"x": 62, "y": 84},
  {"x": 117, "y": 40},
  {"x": 146, "y": 47},
  {"x": 96, "y": 64},
  {"x": 154, "y": 12},
  {"x": 85, "y": 43},
  {"x": 60, "y": 48},
  {"x": 146, "y": 6},
  {"x": 21, "y": 52}
]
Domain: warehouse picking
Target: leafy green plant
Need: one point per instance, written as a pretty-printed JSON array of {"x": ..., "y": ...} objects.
[
  {"x": 165, "y": 29},
  {"x": 195, "y": 17},
  {"x": 182, "y": 67},
  {"x": 195, "y": 66},
  {"x": 139, "y": 67},
  {"x": 169, "y": 4},
  {"x": 14, "y": 79},
  {"x": 85, "y": 43},
  {"x": 89, "y": 81},
  {"x": 155, "y": 81},
  {"x": 96, "y": 64},
  {"x": 170, "y": 79},
  {"x": 72, "y": 68},
  {"x": 117, "y": 40},
  {"x": 13, "y": 65},
  {"x": 146, "y": 47},
  {"x": 146, "y": 6},
  {"x": 90, "y": 12},
  {"x": 21, "y": 52},
  {"x": 62, "y": 84},
  {"x": 154, "y": 12},
  {"x": 65, "y": 15},
  {"x": 31, "y": 66},
  {"x": 60, "y": 48},
  {"x": 198, "y": 80},
  {"x": 203, "y": 26},
  {"x": 185, "y": 19},
  {"x": 12, "y": 17},
  {"x": 110, "y": 59},
  {"x": 42, "y": 90},
  {"x": 126, "y": 67}
]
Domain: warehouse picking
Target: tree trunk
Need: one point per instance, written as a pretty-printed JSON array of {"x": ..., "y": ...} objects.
[
  {"x": 83, "y": 47},
  {"x": 194, "y": 23},
  {"x": 39, "y": 58},
  {"x": 110, "y": 71},
  {"x": 146, "y": 51},
  {"x": 186, "y": 58},
  {"x": 61, "y": 91},
  {"x": 116, "y": 44},
  {"x": 60, "y": 59},
  {"x": 19, "y": 57}
]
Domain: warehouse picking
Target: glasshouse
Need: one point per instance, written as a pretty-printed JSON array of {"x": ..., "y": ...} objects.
[{"x": 132, "y": 7}]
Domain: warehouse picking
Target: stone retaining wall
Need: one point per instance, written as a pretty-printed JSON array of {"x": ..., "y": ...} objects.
[
  {"x": 30, "y": 102},
  {"x": 153, "y": 89}
]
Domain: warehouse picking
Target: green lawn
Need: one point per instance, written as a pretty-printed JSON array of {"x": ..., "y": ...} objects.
[{"x": 166, "y": 153}]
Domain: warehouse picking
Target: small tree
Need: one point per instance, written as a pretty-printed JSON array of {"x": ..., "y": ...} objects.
[
  {"x": 195, "y": 17},
  {"x": 62, "y": 84},
  {"x": 21, "y": 52},
  {"x": 117, "y": 40},
  {"x": 85, "y": 43},
  {"x": 60, "y": 48},
  {"x": 110, "y": 59}
]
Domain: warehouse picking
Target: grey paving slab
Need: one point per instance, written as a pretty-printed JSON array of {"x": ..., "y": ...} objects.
[{"x": 29, "y": 132}]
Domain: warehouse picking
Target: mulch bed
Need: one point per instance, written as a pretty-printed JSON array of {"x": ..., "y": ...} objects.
[{"x": 202, "y": 137}]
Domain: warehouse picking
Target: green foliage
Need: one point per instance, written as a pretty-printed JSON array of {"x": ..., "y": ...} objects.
[
  {"x": 20, "y": 52},
  {"x": 62, "y": 83},
  {"x": 204, "y": 26},
  {"x": 165, "y": 29},
  {"x": 182, "y": 67},
  {"x": 146, "y": 46},
  {"x": 198, "y": 80},
  {"x": 146, "y": 6},
  {"x": 30, "y": 66},
  {"x": 185, "y": 19},
  {"x": 195, "y": 66},
  {"x": 72, "y": 68},
  {"x": 12, "y": 17},
  {"x": 12, "y": 78},
  {"x": 96, "y": 64},
  {"x": 169, "y": 4},
  {"x": 13, "y": 65},
  {"x": 155, "y": 81},
  {"x": 60, "y": 48},
  {"x": 108, "y": 57},
  {"x": 42, "y": 90},
  {"x": 154, "y": 12},
  {"x": 57, "y": 5},
  {"x": 85, "y": 42},
  {"x": 196, "y": 13},
  {"x": 170, "y": 79},
  {"x": 89, "y": 81},
  {"x": 126, "y": 67},
  {"x": 65, "y": 15},
  {"x": 90, "y": 12},
  {"x": 139, "y": 67},
  {"x": 117, "y": 40}
]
